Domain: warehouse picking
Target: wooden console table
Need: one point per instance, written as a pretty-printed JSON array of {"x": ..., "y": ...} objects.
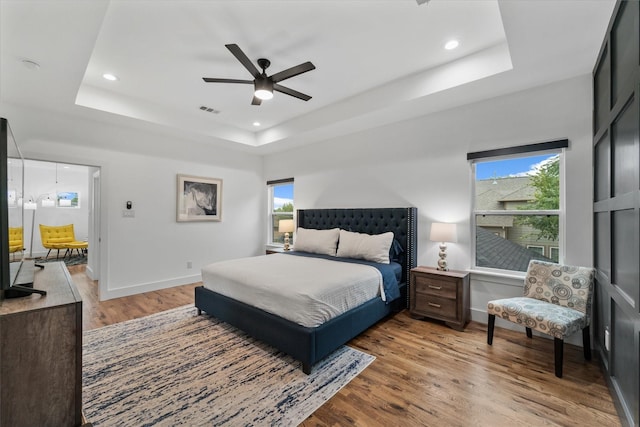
[{"x": 41, "y": 353}]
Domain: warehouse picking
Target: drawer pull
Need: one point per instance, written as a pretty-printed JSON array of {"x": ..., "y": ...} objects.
[
  {"x": 435, "y": 287},
  {"x": 433, "y": 304}
]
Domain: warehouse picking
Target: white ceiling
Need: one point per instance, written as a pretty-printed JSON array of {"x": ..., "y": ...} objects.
[{"x": 377, "y": 61}]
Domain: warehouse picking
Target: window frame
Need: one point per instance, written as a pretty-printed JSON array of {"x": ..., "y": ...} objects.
[
  {"x": 542, "y": 247},
  {"x": 271, "y": 185},
  {"x": 514, "y": 153}
]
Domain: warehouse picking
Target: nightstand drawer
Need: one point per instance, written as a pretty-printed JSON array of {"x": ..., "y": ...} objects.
[
  {"x": 434, "y": 286},
  {"x": 442, "y": 308}
]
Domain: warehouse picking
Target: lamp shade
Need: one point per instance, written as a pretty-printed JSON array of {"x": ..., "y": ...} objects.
[
  {"x": 443, "y": 232},
  {"x": 30, "y": 205},
  {"x": 286, "y": 226},
  {"x": 48, "y": 203}
]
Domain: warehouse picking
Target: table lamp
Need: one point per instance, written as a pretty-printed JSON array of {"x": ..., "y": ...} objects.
[
  {"x": 443, "y": 233},
  {"x": 286, "y": 226}
]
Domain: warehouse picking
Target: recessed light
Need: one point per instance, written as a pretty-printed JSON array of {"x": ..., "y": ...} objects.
[
  {"x": 256, "y": 123},
  {"x": 451, "y": 44},
  {"x": 110, "y": 77}
]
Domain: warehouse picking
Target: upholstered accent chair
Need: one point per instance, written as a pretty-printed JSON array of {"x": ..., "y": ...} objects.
[
  {"x": 60, "y": 237},
  {"x": 15, "y": 240},
  {"x": 556, "y": 301}
]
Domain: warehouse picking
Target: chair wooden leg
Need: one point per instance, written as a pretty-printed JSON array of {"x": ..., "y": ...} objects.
[
  {"x": 492, "y": 322},
  {"x": 586, "y": 343},
  {"x": 529, "y": 333},
  {"x": 558, "y": 350}
]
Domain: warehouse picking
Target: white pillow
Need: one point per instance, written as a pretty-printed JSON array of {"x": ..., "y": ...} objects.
[
  {"x": 317, "y": 241},
  {"x": 365, "y": 246}
]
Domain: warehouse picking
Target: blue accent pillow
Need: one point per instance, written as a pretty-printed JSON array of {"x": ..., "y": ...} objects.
[{"x": 396, "y": 253}]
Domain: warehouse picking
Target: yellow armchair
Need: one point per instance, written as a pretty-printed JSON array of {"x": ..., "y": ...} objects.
[
  {"x": 60, "y": 237},
  {"x": 15, "y": 240}
]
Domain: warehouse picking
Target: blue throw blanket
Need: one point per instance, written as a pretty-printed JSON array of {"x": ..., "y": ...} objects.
[{"x": 390, "y": 272}]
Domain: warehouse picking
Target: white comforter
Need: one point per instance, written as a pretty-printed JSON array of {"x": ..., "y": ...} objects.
[{"x": 307, "y": 291}]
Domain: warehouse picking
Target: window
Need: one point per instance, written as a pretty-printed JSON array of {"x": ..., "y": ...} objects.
[
  {"x": 280, "y": 195},
  {"x": 517, "y": 207},
  {"x": 537, "y": 249}
]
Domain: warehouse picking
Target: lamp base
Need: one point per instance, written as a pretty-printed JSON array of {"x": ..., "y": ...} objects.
[
  {"x": 286, "y": 241},
  {"x": 442, "y": 262}
]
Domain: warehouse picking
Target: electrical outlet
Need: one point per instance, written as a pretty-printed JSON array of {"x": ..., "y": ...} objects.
[{"x": 189, "y": 264}]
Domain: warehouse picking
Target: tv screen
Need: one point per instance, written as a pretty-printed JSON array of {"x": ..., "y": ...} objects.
[
  {"x": 11, "y": 213},
  {"x": 16, "y": 273}
]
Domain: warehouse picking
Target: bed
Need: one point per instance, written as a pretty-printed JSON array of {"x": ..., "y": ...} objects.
[{"x": 310, "y": 344}]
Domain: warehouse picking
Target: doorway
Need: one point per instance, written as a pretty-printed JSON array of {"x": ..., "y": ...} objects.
[{"x": 59, "y": 194}]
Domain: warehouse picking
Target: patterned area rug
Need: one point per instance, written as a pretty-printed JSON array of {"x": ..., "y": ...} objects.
[
  {"x": 177, "y": 368},
  {"x": 68, "y": 260}
]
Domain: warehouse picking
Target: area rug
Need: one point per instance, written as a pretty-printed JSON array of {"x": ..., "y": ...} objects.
[
  {"x": 68, "y": 260},
  {"x": 178, "y": 368}
]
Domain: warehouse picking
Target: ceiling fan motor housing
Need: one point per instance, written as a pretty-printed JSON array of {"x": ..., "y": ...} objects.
[{"x": 263, "y": 87}]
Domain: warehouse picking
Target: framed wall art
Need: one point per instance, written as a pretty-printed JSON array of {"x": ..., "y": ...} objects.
[
  {"x": 68, "y": 199},
  {"x": 198, "y": 199}
]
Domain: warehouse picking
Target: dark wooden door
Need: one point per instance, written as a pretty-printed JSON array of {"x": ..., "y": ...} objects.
[{"x": 616, "y": 207}]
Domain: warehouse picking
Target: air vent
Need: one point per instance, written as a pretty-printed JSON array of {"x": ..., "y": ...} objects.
[{"x": 209, "y": 109}]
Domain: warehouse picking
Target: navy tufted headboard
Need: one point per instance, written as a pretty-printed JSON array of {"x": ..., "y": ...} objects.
[{"x": 403, "y": 222}]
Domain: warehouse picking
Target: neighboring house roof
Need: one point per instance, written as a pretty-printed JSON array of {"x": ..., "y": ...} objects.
[
  {"x": 492, "y": 193},
  {"x": 523, "y": 194},
  {"x": 495, "y": 252}
]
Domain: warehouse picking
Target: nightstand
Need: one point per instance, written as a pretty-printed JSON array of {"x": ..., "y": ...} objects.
[
  {"x": 441, "y": 295},
  {"x": 275, "y": 250}
]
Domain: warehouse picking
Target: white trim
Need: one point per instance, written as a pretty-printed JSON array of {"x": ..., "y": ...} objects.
[
  {"x": 519, "y": 212},
  {"x": 495, "y": 272}
]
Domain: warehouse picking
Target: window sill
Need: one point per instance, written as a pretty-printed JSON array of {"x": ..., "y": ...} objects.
[{"x": 498, "y": 274}]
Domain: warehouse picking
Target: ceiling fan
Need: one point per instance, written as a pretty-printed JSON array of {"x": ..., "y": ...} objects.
[{"x": 265, "y": 85}]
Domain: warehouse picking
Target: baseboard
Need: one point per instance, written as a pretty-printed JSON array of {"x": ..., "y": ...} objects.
[{"x": 112, "y": 293}]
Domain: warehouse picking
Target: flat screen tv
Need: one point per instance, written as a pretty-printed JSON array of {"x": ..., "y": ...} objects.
[{"x": 16, "y": 272}]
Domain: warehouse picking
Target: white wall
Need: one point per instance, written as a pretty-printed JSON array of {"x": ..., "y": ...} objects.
[
  {"x": 422, "y": 162},
  {"x": 151, "y": 250}
]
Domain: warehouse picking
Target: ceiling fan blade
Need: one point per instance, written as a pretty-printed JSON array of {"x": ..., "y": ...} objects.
[
  {"x": 244, "y": 60},
  {"x": 293, "y": 71},
  {"x": 291, "y": 92},
  {"x": 256, "y": 101},
  {"x": 214, "y": 80}
]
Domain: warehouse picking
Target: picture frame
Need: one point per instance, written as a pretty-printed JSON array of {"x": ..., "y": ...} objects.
[
  {"x": 68, "y": 199},
  {"x": 198, "y": 198}
]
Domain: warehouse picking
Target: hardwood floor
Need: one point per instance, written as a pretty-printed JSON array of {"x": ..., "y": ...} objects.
[{"x": 426, "y": 374}]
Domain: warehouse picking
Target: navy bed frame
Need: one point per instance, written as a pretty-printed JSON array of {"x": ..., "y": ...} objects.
[{"x": 310, "y": 345}]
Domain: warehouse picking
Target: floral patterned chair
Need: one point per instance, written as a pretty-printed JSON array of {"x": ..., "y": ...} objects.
[{"x": 557, "y": 302}]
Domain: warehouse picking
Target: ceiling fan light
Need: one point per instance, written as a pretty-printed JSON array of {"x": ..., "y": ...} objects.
[
  {"x": 263, "y": 89},
  {"x": 263, "y": 94}
]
